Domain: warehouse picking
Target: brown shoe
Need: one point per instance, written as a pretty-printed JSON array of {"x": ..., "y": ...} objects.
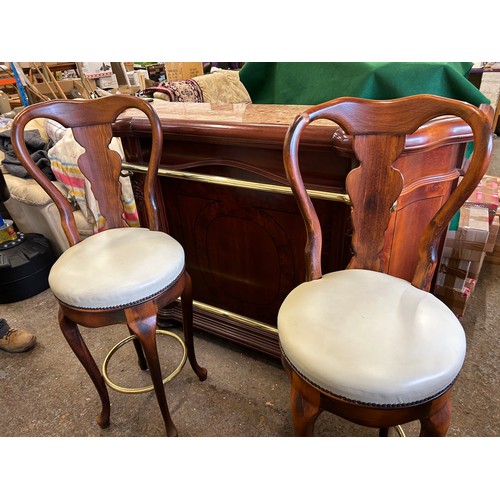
[{"x": 17, "y": 341}]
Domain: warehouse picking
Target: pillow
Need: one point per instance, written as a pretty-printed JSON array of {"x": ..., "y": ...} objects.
[{"x": 223, "y": 87}]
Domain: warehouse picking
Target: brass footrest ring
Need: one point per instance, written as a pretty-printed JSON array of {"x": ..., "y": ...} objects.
[
  {"x": 400, "y": 431},
  {"x": 139, "y": 390}
]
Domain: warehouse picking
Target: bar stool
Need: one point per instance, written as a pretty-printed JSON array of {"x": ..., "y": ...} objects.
[
  {"x": 121, "y": 274},
  {"x": 369, "y": 347}
]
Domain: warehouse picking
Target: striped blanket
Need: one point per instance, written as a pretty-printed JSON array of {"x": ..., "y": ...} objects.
[{"x": 63, "y": 160}]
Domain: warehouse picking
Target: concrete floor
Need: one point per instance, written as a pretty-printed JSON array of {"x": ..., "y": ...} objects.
[{"x": 46, "y": 392}]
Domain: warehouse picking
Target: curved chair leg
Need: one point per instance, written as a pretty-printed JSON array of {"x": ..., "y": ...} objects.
[
  {"x": 141, "y": 360},
  {"x": 74, "y": 338},
  {"x": 141, "y": 320},
  {"x": 305, "y": 410},
  {"x": 187, "y": 322},
  {"x": 437, "y": 424}
]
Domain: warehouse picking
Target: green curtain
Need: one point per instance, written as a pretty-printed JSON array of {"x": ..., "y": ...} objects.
[{"x": 311, "y": 83}]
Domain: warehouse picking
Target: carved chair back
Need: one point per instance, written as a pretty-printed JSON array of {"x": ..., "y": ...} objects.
[
  {"x": 91, "y": 122},
  {"x": 378, "y": 131}
]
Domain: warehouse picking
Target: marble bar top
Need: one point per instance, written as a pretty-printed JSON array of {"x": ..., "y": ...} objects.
[
  {"x": 279, "y": 114},
  {"x": 246, "y": 116}
]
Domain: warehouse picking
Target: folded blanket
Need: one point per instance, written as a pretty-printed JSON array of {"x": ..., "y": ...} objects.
[
  {"x": 64, "y": 162},
  {"x": 37, "y": 147},
  {"x": 181, "y": 91}
]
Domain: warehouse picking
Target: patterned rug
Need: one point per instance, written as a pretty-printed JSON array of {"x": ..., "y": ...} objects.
[{"x": 181, "y": 91}]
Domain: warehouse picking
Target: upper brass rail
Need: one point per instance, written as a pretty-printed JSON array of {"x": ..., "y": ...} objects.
[{"x": 226, "y": 181}]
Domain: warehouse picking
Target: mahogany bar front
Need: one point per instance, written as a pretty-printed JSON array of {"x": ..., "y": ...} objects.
[{"x": 223, "y": 194}]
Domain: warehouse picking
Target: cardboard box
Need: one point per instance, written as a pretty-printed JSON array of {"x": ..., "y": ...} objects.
[
  {"x": 475, "y": 267},
  {"x": 486, "y": 195},
  {"x": 132, "y": 77},
  {"x": 455, "y": 300},
  {"x": 469, "y": 240},
  {"x": 107, "y": 82},
  {"x": 97, "y": 69},
  {"x": 494, "y": 256},
  {"x": 493, "y": 237},
  {"x": 453, "y": 273},
  {"x": 183, "y": 70},
  {"x": 66, "y": 85}
]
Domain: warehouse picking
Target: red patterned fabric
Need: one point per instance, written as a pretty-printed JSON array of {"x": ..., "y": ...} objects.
[{"x": 181, "y": 91}]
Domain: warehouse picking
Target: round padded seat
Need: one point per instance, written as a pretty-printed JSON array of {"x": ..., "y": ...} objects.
[
  {"x": 116, "y": 268},
  {"x": 371, "y": 338}
]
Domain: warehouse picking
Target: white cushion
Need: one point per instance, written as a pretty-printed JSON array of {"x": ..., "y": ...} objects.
[
  {"x": 371, "y": 338},
  {"x": 116, "y": 267}
]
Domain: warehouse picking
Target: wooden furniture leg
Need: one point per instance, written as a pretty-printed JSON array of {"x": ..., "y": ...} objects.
[
  {"x": 187, "y": 321},
  {"x": 437, "y": 423},
  {"x": 142, "y": 321},
  {"x": 141, "y": 360},
  {"x": 305, "y": 409},
  {"x": 75, "y": 340}
]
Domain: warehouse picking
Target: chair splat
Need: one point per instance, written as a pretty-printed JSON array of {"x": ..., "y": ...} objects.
[
  {"x": 373, "y": 188},
  {"x": 102, "y": 166}
]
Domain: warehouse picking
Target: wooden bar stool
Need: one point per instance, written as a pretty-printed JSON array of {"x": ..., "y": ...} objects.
[
  {"x": 372, "y": 348},
  {"x": 96, "y": 281}
]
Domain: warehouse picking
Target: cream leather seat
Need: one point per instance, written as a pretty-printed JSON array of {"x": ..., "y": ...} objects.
[
  {"x": 380, "y": 342},
  {"x": 133, "y": 264}
]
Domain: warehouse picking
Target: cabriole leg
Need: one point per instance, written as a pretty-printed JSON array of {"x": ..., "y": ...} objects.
[
  {"x": 141, "y": 320},
  {"x": 187, "y": 321},
  {"x": 74, "y": 338}
]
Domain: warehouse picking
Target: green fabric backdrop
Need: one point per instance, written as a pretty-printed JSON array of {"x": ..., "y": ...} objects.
[{"x": 311, "y": 83}]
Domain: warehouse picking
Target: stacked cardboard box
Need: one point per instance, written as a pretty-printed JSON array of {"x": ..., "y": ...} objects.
[
  {"x": 472, "y": 235},
  {"x": 183, "y": 70},
  {"x": 486, "y": 195},
  {"x": 493, "y": 243}
]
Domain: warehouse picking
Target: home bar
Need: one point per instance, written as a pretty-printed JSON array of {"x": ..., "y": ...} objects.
[{"x": 223, "y": 194}]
